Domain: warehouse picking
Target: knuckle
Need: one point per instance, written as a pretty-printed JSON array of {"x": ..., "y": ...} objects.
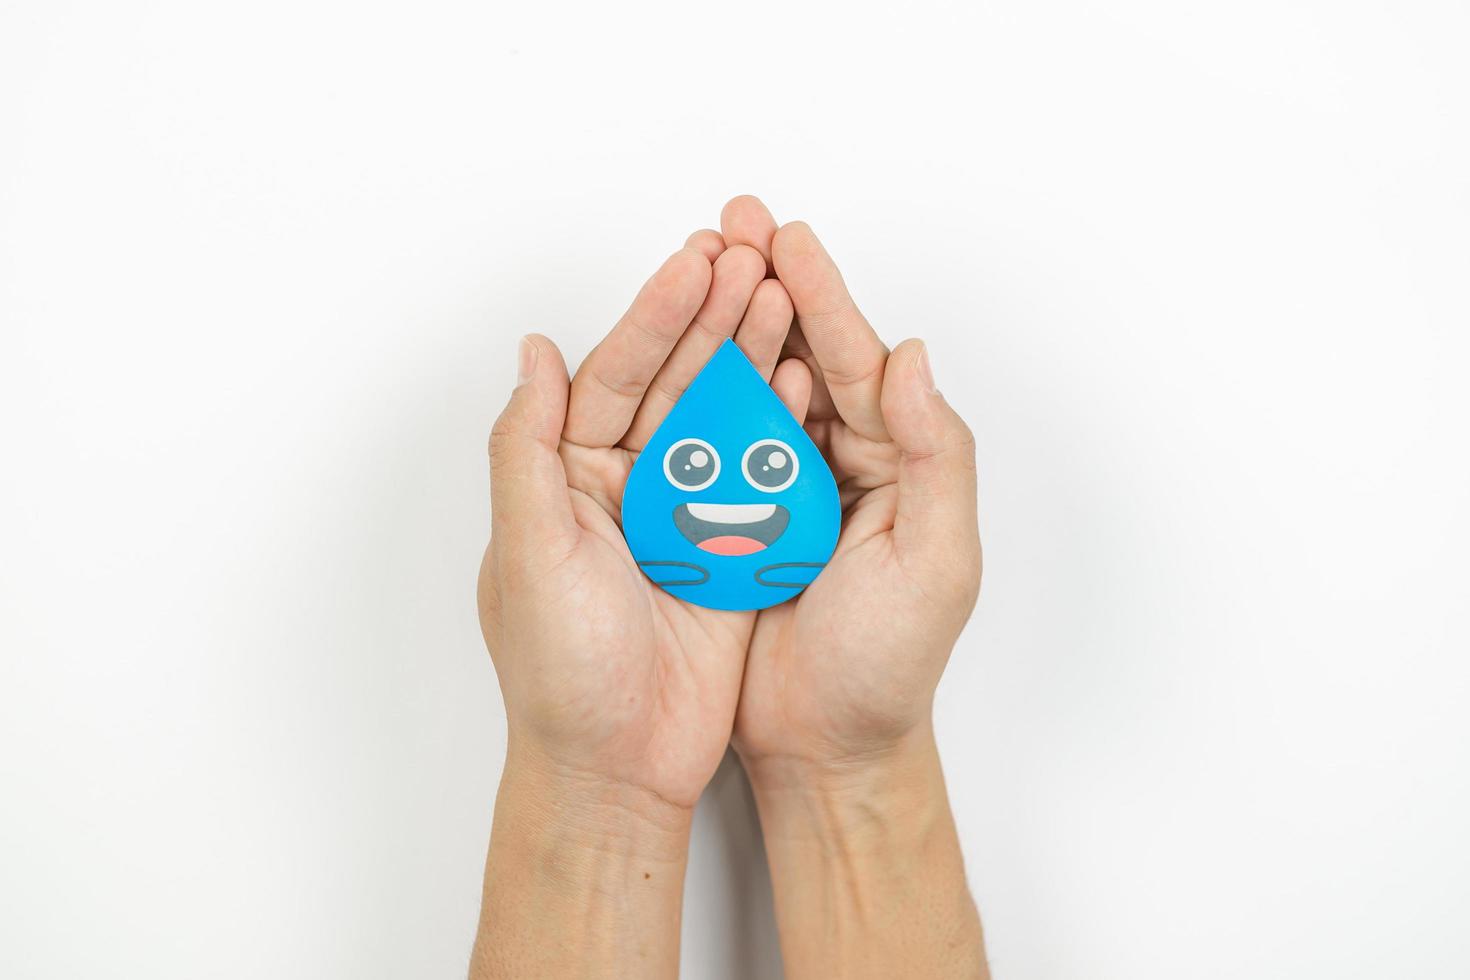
[
  {"x": 622, "y": 387},
  {"x": 964, "y": 444},
  {"x": 856, "y": 369},
  {"x": 652, "y": 336},
  {"x": 670, "y": 390},
  {"x": 502, "y": 441}
]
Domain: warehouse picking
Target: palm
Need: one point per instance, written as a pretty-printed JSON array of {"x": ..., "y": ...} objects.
[
  {"x": 660, "y": 677},
  {"x": 612, "y": 674},
  {"x": 905, "y": 571},
  {"x": 617, "y": 675},
  {"x": 795, "y": 697}
]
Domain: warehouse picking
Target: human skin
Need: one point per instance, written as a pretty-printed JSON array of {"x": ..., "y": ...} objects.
[
  {"x": 834, "y": 721},
  {"x": 620, "y": 699}
]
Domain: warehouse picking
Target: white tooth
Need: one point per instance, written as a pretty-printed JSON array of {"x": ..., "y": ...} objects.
[{"x": 731, "y": 513}]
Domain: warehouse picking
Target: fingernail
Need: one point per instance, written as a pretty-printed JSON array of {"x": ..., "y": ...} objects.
[
  {"x": 925, "y": 371},
  {"x": 527, "y": 365}
]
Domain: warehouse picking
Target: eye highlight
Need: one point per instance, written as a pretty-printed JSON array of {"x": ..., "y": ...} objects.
[
  {"x": 691, "y": 464},
  {"x": 769, "y": 465}
]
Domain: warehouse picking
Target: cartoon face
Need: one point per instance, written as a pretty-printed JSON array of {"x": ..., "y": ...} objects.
[{"x": 730, "y": 505}]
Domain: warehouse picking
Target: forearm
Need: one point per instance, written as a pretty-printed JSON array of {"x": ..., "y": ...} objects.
[
  {"x": 584, "y": 879},
  {"x": 866, "y": 866}
]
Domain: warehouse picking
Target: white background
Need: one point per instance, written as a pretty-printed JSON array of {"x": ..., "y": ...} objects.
[{"x": 1196, "y": 274}]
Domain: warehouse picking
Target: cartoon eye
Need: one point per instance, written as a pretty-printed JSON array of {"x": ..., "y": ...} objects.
[
  {"x": 769, "y": 465},
  {"x": 691, "y": 464}
]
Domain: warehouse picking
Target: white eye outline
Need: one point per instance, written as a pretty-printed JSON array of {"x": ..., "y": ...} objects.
[
  {"x": 669, "y": 454},
  {"x": 790, "y": 454}
]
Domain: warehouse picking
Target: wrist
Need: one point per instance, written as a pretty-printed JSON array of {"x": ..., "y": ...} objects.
[
  {"x": 874, "y": 798},
  {"x": 865, "y": 864},
  {"x": 573, "y": 846},
  {"x": 587, "y": 810}
]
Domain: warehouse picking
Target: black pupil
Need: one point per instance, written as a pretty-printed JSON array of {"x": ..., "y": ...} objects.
[
  {"x": 769, "y": 465},
  {"x": 692, "y": 464}
]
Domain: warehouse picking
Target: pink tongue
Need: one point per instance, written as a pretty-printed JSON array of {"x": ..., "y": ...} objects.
[{"x": 731, "y": 544}]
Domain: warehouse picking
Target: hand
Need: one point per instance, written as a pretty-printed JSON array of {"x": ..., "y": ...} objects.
[
  {"x": 848, "y": 670},
  {"x": 607, "y": 679},
  {"x": 619, "y": 698},
  {"x": 833, "y": 725}
]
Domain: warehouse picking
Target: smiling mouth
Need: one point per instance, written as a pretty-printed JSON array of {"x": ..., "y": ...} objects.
[{"x": 731, "y": 529}]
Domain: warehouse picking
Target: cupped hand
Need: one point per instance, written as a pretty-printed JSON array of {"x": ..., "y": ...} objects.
[
  {"x": 847, "y": 670},
  {"x": 607, "y": 678},
  {"x": 620, "y": 699}
]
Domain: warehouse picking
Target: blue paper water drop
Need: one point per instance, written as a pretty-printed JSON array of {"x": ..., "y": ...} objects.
[{"x": 731, "y": 505}]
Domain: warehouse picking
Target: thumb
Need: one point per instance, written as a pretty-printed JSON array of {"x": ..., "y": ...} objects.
[
  {"x": 529, "y": 505},
  {"x": 936, "y": 520}
]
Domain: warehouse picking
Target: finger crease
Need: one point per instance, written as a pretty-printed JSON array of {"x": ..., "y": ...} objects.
[
  {"x": 651, "y": 336},
  {"x": 834, "y": 313},
  {"x": 623, "y": 389},
  {"x": 847, "y": 378},
  {"x": 707, "y": 330},
  {"x": 673, "y": 391}
]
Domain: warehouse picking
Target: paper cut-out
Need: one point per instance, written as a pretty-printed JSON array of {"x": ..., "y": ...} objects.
[{"x": 730, "y": 505}]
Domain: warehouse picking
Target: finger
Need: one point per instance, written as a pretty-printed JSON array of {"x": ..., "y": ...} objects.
[
  {"x": 610, "y": 384},
  {"x": 734, "y": 277},
  {"x": 936, "y": 466},
  {"x": 529, "y": 504},
  {"x": 706, "y": 242},
  {"x": 796, "y": 346},
  {"x": 792, "y": 383},
  {"x": 763, "y": 330},
  {"x": 849, "y": 353},
  {"x": 745, "y": 220}
]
